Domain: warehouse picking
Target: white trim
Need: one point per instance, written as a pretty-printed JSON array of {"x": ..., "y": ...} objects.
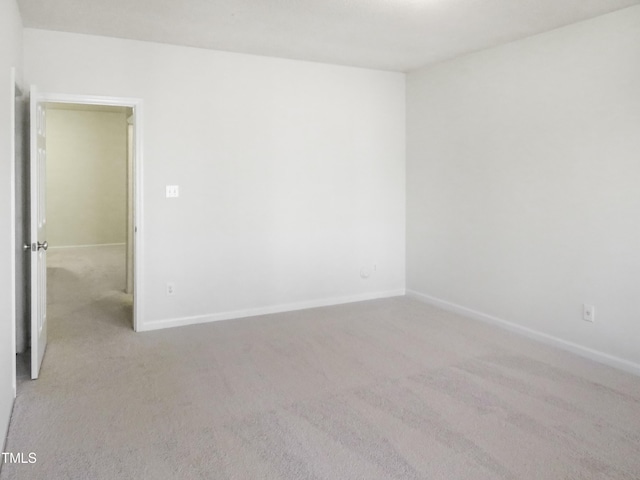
[
  {"x": 89, "y": 100},
  {"x": 138, "y": 207},
  {"x": 586, "y": 352},
  {"x": 138, "y": 211},
  {"x": 65, "y": 247},
  {"x": 252, "y": 312}
]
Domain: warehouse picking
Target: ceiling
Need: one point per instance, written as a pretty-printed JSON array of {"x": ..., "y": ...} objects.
[{"x": 399, "y": 35}]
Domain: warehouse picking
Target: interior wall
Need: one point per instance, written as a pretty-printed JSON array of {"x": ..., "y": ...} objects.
[
  {"x": 21, "y": 196},
  {"x": 10, "y": 56},
  {"x": 522, "y": 184},
  {"x": 86, "y": 177},
  {"x": 291, "y": 173}
]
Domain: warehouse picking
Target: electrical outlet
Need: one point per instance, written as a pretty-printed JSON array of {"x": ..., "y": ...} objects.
[
  {"x": 588, "y": 313},
  {"x": 171, "y": 288}
]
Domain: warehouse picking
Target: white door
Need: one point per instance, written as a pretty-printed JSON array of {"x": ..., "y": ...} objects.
[{"x": 38, "y": 233}]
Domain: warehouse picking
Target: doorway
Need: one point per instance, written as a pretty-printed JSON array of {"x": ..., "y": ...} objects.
[
  {"x": 87, "y": 215},
  {"x": 93, "y": 172}
]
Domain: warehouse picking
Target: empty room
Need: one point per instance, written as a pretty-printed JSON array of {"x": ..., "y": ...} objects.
[{"x": 377, "y": 239}]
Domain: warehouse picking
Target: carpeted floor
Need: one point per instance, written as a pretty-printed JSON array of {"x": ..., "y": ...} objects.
[{"x": 386, "y": 389}]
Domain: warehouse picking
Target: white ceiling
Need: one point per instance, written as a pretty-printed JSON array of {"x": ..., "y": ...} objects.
[{"x": 399, "y": 35}]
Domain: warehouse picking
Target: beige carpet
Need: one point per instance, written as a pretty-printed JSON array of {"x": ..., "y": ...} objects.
[{"x": 388, "y": 389}]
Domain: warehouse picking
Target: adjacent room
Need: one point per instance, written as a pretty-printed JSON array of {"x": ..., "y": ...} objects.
[{"x": 323, "y": 239}]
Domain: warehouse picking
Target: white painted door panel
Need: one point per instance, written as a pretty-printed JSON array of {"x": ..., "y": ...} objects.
[{"x": 38, "y": 153}]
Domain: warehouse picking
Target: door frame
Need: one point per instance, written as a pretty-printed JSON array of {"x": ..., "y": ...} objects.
[{"x": 138, "y": 210}]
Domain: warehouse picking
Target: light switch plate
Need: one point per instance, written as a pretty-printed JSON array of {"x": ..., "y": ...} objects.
[{"x": 173, "y": 191}]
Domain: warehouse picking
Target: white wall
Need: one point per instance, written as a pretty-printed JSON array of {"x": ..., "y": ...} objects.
[
  {"x": 21, "y": 187},
  {"x": 291, "y": 173},
  {"x": 10, "y": 56},
  {"x": 522, "y": 183},
  {"x": 86, "y": 177}
]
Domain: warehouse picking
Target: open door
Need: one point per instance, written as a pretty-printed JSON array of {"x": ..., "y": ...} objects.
[{"x": 38, "y": 245}]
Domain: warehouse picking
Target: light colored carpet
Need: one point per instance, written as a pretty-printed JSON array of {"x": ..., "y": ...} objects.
[{"x": 386, "y": 389}]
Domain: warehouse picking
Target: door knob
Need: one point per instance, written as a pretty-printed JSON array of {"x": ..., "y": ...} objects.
[{"x": 43, "y": 246}]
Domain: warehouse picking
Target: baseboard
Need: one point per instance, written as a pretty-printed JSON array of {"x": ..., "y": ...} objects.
[
  {"x": 586, "y": 352},
  {"x": 61, "y": 247},
  {"x": 252, "y": 312}
]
